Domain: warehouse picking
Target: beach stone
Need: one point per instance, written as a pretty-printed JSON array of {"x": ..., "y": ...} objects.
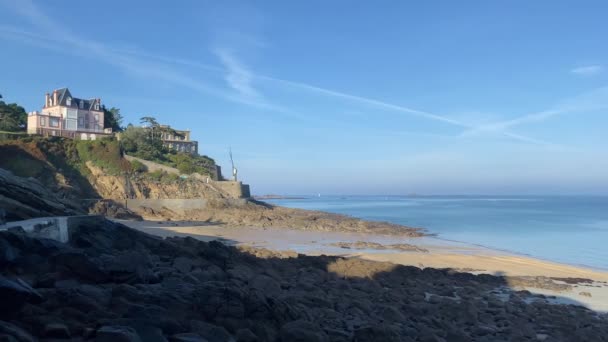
[
  {"x": 377, "y": 333},
  {"x": 11, "y": 332},
  {"x": 15, "y": 293},
  {"x": 246, "y": 335},
  {"x": 210, "y": 332},
  {"x": 148, "y": 333},
  {"x": 302, "y": 331},
  {"x": 56, "y": 330},
  {"x": 116, "y": 333},
  {"x": 187, "y": 337},
  {"x": 80, "y": 265},
  {"x": 8, "y": 253},
  {"x": 183, "y": 264},
  {"x": 266, "y": 285}
]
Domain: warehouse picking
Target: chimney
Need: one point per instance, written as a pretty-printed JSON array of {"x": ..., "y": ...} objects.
[
  {"x": 47, "y": 97},
  {"x": 55, "y": 100}
]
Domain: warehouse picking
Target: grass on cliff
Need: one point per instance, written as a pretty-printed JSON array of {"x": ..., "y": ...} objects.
[
  {"x": 58, "y": 162},
  {"x": 53, "y": 161}
]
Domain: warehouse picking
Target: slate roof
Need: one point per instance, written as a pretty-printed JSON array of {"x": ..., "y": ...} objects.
[{"x": 64, "y": 93}]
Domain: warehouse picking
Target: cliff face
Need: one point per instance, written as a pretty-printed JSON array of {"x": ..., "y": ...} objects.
[
  {"x": 87, "y": 170},
  {"x": 139, "y": 186}
]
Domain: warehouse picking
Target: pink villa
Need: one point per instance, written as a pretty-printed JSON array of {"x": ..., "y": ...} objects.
[{"x": 67, "y": 116}]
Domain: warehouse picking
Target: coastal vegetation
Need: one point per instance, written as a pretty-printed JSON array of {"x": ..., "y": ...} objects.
[
  {"x": 112, "y": 119},
  {"x": 145, "y": 143},
  {"x": 13, "y": 117}
]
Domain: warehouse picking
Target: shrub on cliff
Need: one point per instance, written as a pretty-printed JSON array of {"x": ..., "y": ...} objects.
[
  {"x": 137, "y": 166},
  {"x": 188, "y": 164},
  {"x": 105, "y": 154}
]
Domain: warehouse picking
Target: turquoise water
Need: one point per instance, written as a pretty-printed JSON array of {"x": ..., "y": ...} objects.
[{"x": 572, "y": 230}]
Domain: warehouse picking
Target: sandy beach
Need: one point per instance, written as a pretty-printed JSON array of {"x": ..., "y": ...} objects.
[{"x": 524, "y": 273}]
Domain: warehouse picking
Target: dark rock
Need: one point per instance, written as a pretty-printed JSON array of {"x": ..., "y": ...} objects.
[
  {"x": 210, "y": 332},
  {"x": 8, "y": 253},
  {"x": 187, "y": 337},
  {"x": 246, "y": 335},
  {"x": 24, "y": 198},
  {"x": 377, "y": 333},
  {"x": 116, "y": 333},
  {"x": 88, "y": 333},
  {"x": 183, "y": 264},
  {"x": 80, "y": 265},
  {"x": 148, "y": 333},
  {"x": 12, "y": 332},
  {"x": 56, "y": 330},
  {"x": 302, "y": 331},
  {"x": 15, "y": 293},
  {"x": 241, "y": 272},
  {"x": 266, "y": 285}
]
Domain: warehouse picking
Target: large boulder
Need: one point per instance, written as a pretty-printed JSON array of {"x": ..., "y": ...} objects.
[
  {"x": 302, "y": 331},
  {"x": 24, "y": 198},
  {"x": 116, "y": 333},
  {"x": 14, "y": 294},
  {"x": 11, "y": 332}
]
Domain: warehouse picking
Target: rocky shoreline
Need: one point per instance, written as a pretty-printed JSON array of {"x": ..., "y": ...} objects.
[
  {"x": 113, "y": 283},
  {"x": 254, "y": 213},
  {"x": 404, "y": 247}
]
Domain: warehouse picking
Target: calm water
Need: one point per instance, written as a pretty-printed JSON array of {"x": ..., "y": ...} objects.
[{"x": 571, "y": 230}]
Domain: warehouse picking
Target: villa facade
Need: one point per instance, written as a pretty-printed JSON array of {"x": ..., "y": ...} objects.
[
  {"x": 180, "y": 141},
  {"x": 68, "y": 116}
]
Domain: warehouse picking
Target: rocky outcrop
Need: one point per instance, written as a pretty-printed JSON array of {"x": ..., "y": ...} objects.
[
  {"x": 260, "y": 214},
  {"x": 404, "y": 247},
  {"x": 23, "y": 198},
  {"x": 112, "y": 283},
  {"x": 139, "y": 186}
]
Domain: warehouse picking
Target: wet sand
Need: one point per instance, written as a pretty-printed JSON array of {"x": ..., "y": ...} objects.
[{"x": 441, "y": 254}]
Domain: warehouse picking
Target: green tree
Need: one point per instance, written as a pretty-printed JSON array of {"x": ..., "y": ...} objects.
[
  {"x": 13, "y": 118},
  {"x": 157, "y": 130},
  {"x": 112, "y": 119},
  {"x": 139, "y": 142}
]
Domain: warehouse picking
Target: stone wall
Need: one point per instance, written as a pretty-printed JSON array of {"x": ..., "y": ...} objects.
[
  {"x": 54, "y": 227},
  {"x": 233, "y": 189}
]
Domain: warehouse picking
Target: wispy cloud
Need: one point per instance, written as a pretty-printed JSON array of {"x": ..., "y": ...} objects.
[
  {"x": 238, "y": 76},
  {"x": 66, "y": 41},
  {"x": 596, "y": 99},
  {"x": 589, "y": 70}
]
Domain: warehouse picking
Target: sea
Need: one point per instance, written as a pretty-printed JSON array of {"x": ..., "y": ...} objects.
[{"x": 566, "y": 229}]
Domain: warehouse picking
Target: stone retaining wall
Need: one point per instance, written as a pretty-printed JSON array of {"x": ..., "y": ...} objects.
[
  {"x": 233, "y": 189},
  {"x": 53, "y": 227}
]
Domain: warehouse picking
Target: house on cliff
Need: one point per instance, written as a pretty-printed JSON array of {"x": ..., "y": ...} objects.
[
  {"x": 178, "y": 140},
  {"x": 67, "y": 116}
]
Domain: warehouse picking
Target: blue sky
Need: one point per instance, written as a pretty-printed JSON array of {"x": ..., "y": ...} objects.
[{"x": 389, "y": 97}]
